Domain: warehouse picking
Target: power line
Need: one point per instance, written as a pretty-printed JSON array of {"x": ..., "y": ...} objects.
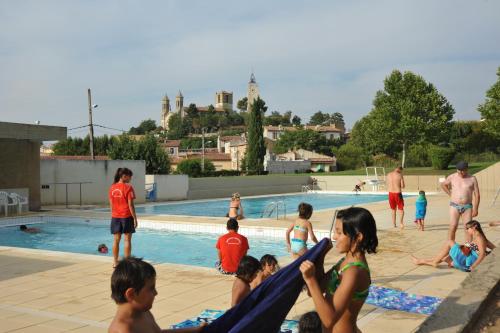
[
  {"x": 74, "y": 128},
  {"x": 114, "y": 129}
]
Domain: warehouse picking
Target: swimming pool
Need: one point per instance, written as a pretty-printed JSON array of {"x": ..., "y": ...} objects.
[
  {"x": 162, "y": 246},
  {"x": 253, "y": 207}
]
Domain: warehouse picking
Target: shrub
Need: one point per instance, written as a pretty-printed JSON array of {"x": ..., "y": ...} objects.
[
  {"x": 350, "y": 157},
  {"x": 441, "y": 157},
  {"x": 418, "y": 156},
  {"x": 192, "y": 167}
]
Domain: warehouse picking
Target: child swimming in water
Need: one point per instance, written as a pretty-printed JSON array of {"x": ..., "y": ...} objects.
[{"x": 301, "y": 228}]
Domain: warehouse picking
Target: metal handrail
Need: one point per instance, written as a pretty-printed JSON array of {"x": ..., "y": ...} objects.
[
  {"x": 274, "y": 206},
  {"x": 305, "y": 188},
  {"x": 68, "y": 183},
  {"x": 321, "y": 181}
]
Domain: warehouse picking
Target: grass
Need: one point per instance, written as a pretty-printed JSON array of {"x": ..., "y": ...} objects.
[{"x": 424, "y": 171}]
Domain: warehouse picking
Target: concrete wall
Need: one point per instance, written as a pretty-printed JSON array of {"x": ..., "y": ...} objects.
[
  {"x": 169, "y": 187},
  {"x": 489, "y": 183},
  {"x": 99, "y": 173},
  {"x": 20, "y": 168},
  {"x": 219, "y": 187},
  {"x": 281, "y": 167},
  {"x": 346, "y": 183}
]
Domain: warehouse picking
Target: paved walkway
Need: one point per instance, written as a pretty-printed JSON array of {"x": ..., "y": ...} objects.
[{"x": 42, "y": 291}]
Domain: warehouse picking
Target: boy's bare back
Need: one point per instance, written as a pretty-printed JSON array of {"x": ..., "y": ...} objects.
[{"x": 144, "y": 323}]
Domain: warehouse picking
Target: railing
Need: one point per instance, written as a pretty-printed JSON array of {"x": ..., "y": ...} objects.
[
  {"x": 305, "y": 188},
  {"x": 274, "y": 207},
  {"x": 317, "y": 186},
  {"x": 66, "y": 184}
]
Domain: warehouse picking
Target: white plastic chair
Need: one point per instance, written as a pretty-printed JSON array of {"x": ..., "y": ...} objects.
[
  {"x": 20, "y": 201},
  {"x": 4, "y": 202}
]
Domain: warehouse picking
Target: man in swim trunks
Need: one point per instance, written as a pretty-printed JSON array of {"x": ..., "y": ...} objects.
[
  {"x": 231, "y": 247},
  {"x": 464, "y": 198},
  {"x": 395, "y": 184}
]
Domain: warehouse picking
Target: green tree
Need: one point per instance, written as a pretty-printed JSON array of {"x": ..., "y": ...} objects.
[
  {"x": 256, "y": 146},
  {"x": 242, "y": 104},
  {"x": 350, "y": 157},
  {"x": 273, "y": 120},
  {"x": 490, "y": 109},
  {"x": 176, "y": 127},
  {"x": 408, "y": 110},
  {"x": 296, "y": 121},
  {"x": 338, "y": 119},
  {"x": 147, "y": 149},
  {"x": 192, "y": 167},
  {"x": 319, "y": 118},
  {"x": 303, "y": 138},
  {"x": 145, "y": 126}
]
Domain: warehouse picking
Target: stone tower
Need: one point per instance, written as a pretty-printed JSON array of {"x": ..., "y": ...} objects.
[
  {"x": 252, "y": 93},
  {"x": 224, "y": 100},
  {"x": 179, "y": 103},
  {"x": 165, "y": 112}
]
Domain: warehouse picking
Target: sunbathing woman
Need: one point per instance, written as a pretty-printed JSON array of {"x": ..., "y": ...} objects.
[
  {"x": 235, "y": 207},
  {"x": 347, "y": 283},
  {"x": 464, "y": 257}
]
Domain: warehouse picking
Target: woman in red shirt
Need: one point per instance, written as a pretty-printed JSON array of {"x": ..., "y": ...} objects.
[{"x": 123, "y": 218}]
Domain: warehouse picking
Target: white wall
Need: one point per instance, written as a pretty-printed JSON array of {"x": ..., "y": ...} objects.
[
  {"x": 99, "y": 173},
  {"x": 169, "y": 187}
]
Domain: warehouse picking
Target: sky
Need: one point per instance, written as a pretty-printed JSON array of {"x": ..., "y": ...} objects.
[{"x": 307, "y": 56}]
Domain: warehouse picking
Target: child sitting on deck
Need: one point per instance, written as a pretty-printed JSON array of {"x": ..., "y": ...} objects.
[
  {"x": 269, "y": 266},
  {"x": 420, "y": 210},
  {"x": 301, "y": 228},
  {"x": 133, "y": 289},
  {"x": 248, "y": 269}
]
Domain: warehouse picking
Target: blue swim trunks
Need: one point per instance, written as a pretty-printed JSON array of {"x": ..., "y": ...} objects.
[{"x": 460, "y": 260}]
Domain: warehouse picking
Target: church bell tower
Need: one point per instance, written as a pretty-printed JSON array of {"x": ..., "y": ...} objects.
[{"x": 252, "y": 93}]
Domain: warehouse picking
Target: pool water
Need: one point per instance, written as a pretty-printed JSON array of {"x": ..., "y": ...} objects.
[
  {"x": 253, "y": 207},
  {"x": 161, "y": 246}
]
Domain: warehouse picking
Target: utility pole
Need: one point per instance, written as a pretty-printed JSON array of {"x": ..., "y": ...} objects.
[
  {"x": 91, "y": 127},
  {"x": 202, "y": 150}
]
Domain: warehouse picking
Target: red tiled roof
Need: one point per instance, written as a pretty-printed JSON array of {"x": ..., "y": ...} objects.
[
  {"x": 76, "y": 157},
  {"x": 230, "y": 138},
  {"x": 322, "y": 160},
  {"x": 280, "y": 128},
  {"x": 171, "y": 143}
]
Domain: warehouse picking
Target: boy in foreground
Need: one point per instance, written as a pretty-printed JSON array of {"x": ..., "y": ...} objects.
[{"x": 133, "y": 289}]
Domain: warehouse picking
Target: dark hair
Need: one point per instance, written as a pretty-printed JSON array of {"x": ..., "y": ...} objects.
[
  {"x": 475, "y": 224},
  {"x": 247, "y": 267},
  {"x": 132, "y": 273},
  {"x": 121, "y": 172},
  {"x": 101, "y": 246},
  {"x": 305, "y": 210},
  {"x": 310, "y": 323},
  {"x": 268, "y": 259},
  {"x": 232, "y": 224},
  {"x": 421, "y": 192},
  {"x": 23, "y": 227},
  {"x": 400, "y": 167},
  {"x": 359, "y": 220}
]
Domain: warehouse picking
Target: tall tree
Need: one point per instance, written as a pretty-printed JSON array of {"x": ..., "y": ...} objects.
[
  {"x": 490, "y": 109},
  {"x": 145, "y": 126},
  {"x": 177, "y": 128},
  {"x": 242, "y": 104},
  {"x": 256, "y": 146},
  {"x": 338, "y": 119},
  {"x": 319, "y": 118},
  {"x": 408, "y": 110},
  {"x": 296, "y": 121}
]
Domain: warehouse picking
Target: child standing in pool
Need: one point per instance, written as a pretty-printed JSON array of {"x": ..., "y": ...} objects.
[
  {"x": 235, "y": 207},
  {"x": 420, "y": 210},
  {"x": 123, "y": 218},
  {"x": 301, "y": 229},
  {"x": 339, "y": 294}
]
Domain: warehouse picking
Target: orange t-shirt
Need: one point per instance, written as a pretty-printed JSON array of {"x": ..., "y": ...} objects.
[
  {"x": 233, "y": 247},
  {"x": 119, "y": 194}
]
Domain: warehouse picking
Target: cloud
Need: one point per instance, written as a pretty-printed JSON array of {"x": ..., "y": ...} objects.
[{"x": 307, "y": 56}]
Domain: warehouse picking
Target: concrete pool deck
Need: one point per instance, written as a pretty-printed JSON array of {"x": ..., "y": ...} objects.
[{"x": 43, "y": 291}]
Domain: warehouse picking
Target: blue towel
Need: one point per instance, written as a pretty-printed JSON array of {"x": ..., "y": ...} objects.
[{"x": 266, "y": 307}]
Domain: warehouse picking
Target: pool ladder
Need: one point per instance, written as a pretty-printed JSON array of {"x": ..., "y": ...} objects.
[{"x": 274, "y": 207}]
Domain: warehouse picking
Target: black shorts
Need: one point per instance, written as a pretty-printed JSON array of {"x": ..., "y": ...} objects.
[{"x": 122, "y": 225}]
